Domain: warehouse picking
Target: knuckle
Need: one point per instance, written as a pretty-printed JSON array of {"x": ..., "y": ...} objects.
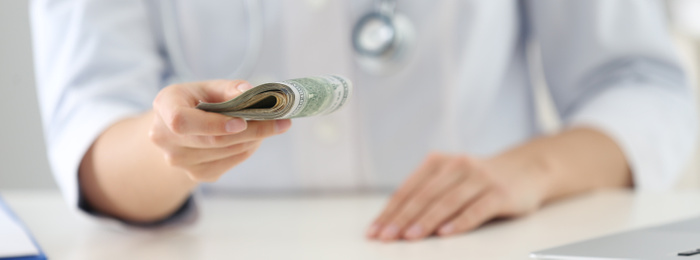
[
  {"x": 176, "y": 123},
  {"x": 498, "y": 191},
  {"x": 210, "y": 140},
  {"x": 173, "y": 158},
  {"x": 163, "y": 93},
  {"x": 477, "y": 172},
  {"x": 169, "y": 159},
  {"x": 156, "y": 137},
  {"x": 456, "y": 164},
  {"x": 195, "y": 176},
  {"x": 463, "y": 161},
  {"x": 157, "y": 100},
  {"x": 434, "y": 157},
  {"x": 501, "y": 191}
]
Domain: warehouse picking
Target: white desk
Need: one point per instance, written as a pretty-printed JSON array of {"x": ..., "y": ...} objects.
[{"x": 332, "y": 227}]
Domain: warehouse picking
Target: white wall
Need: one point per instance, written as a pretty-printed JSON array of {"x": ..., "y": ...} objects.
[{"x": 22, "y": 155}]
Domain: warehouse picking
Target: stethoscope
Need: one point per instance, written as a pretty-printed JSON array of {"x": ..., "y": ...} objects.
[{"x": 381, "y": 40}]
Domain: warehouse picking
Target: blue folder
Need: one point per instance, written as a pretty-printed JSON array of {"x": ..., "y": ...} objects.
[{"x": 41, "y": 255}]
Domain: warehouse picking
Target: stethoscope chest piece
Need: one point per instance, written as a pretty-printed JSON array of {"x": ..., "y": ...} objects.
[
  {"x": 374, "y": 35},
  {"x": 381, "y": 41}
]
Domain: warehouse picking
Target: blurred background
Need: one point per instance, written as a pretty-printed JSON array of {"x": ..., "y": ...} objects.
[{"x": 23, "y": 163}]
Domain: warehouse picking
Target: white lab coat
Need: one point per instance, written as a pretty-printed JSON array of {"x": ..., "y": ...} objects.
[{"x": 464, "y": 87}]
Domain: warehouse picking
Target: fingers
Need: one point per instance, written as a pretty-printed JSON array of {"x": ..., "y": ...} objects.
[
  {"x": 184, "y": 156},
  {"x": 192, "y": 121},
  {"x": 456, "y": 195},
  {"x": 421, "y": 201},
  {"x": 255, "y": 130},
  {"x": 429, "y": 166},
  {"x": 175, "y": 106},
  {"x": 483, "y": 209},
  {"x": 204, "y": 144},
  {"x": 187, "y": 152},
  {"x": 211, "y": 171},
  {"x": 446, "y": 207}
]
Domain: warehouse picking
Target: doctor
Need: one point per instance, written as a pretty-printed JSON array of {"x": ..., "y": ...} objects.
[{"x": 443, "y": 109}]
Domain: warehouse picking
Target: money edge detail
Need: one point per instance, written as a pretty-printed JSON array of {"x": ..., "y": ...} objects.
[
  {"x": 298, "y": 98},
  {"x": 339, "y": 94}
]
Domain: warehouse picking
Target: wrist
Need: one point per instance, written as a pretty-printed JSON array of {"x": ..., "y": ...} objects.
[
  {"x": 530, "y": 172},
  {"x": 570, "y": 162}
]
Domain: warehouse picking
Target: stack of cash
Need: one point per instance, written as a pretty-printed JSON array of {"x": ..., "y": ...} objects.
[{"x": 292, "y": 98}]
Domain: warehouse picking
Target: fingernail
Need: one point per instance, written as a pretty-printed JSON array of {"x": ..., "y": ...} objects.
[
  {"x": 446, "y": 229},
  {"x": 282, "y": 125},
  {"x": 414, "y": 231},
  {"x": 389, "y": 232},
  {"x": 372, "y": 230},
  {"x": 235, "y": 125},
  {"x": 244, "y": 86}
]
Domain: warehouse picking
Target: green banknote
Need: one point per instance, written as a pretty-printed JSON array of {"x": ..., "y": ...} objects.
[{"x": 292, "y": 98}]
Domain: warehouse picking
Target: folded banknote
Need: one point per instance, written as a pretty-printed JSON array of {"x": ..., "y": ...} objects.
[{"x": 292, "y": 98}]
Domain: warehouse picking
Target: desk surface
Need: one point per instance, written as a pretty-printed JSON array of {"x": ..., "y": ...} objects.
[{"x": 332, "y": 227}]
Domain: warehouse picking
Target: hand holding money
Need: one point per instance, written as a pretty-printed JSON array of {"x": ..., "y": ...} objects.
[
  {"x": 206, "y": 145},
  {"x": 292, "y": 98}
]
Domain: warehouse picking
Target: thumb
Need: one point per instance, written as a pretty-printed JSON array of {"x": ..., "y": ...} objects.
[
  {"x": 215, "y": 91},
  {"x": 233, "y": 90}
]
